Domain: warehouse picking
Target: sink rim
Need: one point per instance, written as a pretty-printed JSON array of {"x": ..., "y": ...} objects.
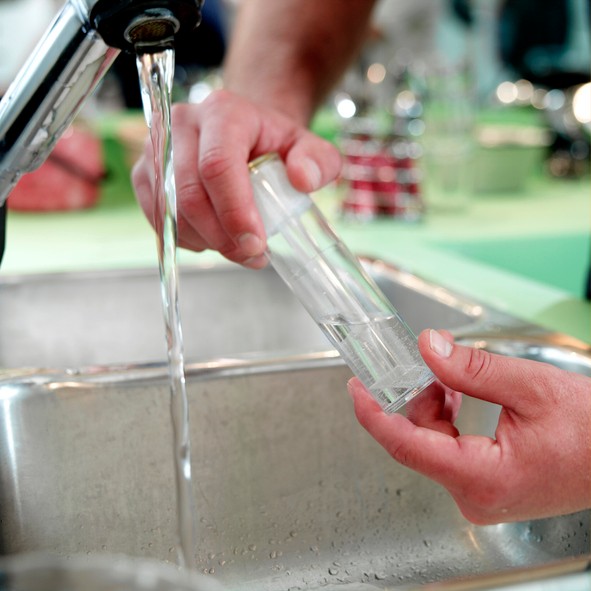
[
  {"x": 488, "y": 327},
  {"x": 262, "y": 362}
]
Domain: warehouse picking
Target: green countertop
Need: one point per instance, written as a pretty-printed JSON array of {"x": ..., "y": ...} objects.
[{"x": 526, "y": 253}]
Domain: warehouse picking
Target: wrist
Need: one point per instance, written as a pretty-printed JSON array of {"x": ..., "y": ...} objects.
[{"x": 269, "y": 92}]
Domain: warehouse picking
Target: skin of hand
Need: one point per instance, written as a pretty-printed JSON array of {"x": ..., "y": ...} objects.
[
  {"x": 539, "y": 463},
  {"x": 282, "y": 60},
  {"x": 212, "y": 144}
]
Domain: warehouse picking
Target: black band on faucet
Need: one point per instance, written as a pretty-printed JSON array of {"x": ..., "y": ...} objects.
[{"x": 2, "y": 229}]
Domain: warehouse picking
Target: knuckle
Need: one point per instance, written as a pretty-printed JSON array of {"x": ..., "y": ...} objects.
[
  {"x": 401, "y": 453},
  {"x": 549, "y": 381},
  {"x": 188, "y": 192},
  {"x": 478, "y": 365},
  {"x": 179, "y": 112},
  {"x": 220, "y": 101},
  {"x": 213, "y": 164},
  {"x": 231, "y": 216},
  {"x": 483, "y": 500},
  {"x": 482, "y": 491}
]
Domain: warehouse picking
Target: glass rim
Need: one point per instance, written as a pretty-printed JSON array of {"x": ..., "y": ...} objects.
[{"x": 255, "y": 164}]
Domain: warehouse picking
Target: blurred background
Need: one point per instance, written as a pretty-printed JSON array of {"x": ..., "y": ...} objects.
[
  {"x": 456, "y": 116},
  {"x": 498, "y": 84}
]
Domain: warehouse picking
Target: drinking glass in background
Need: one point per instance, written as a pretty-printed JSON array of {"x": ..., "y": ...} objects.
[
  {"x": 449, "y": 145},
  {"x": 331, "y": 284}
]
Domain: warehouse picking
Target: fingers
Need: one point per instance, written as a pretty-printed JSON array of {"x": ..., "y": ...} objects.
[
  {"x": 493, "y": 480},
  {"x": 452, "y": 461},
  {"x": 436, "y": 408},
  {"x": 233, "y": 133},
  {"x": 514, "y": 383},
  {"x": 312, "y": 163},
  {"x": 228, "y": 136},
  {"x": 213, "y": 143}
]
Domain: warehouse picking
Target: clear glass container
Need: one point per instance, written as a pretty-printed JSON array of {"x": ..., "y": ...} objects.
[{"x": 329, "y": 281}]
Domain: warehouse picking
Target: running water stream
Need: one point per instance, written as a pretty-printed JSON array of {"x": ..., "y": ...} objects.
[{"x": 156, "y": 71}]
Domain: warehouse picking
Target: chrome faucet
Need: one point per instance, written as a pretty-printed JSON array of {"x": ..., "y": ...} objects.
[{"x": 68, "y": 63}]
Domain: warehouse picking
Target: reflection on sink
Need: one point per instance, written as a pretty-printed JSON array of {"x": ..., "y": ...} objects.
[
  {"x": 290, "y": 492},
  {"x": 546, "y": 351},
  {"x": 82, "y": 319}
]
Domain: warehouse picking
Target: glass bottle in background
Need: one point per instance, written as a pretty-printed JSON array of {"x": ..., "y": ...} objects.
[{"x": 329, "y": 281}]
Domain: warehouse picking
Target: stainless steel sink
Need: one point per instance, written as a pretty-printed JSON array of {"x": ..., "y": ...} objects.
[
  {"x": 290, "y": 492},
  {"x": 81, "y": 319}
]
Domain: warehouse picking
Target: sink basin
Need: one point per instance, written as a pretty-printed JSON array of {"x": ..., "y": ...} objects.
[
  {"x": 82, "y": 319},
  {"x": 290, "y": 492}
]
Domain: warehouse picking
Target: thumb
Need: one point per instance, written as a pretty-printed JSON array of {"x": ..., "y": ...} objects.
[
  {"x": 495, "y": 378},
  {"x": 312, "y": 162}
]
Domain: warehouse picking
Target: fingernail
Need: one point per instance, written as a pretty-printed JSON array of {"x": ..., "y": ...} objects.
[
  {"x": 256, "y": 262},
  {"x": 251, "y": 244},
  {"x": 439, "y": 345},
  {"x": 313, "y": 173}
]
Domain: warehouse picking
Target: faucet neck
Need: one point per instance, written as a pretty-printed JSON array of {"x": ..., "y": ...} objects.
[{"x": 68, "y": 63}]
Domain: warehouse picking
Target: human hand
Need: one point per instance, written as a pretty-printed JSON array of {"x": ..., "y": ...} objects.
[
  {"x": 539, "y": 463},
  {"x": 212, "y": 144}
]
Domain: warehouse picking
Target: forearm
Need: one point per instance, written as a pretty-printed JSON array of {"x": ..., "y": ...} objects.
[{"x": 288, "y": 54}]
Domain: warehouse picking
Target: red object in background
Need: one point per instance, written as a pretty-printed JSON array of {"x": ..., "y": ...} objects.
[{"x": 69, "y": 179}]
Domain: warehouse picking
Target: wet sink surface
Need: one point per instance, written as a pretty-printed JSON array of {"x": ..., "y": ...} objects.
[
  {"x": 290, "y": 492},
  {"x": 82, "y": 319}
]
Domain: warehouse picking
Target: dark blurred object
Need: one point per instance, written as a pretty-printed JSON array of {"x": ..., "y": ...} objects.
[
  {"x": 534, "y": 37},
  {"x": 203, "y": 49},
  {"x": 2, "y": 230},
  {"x": 464, "y": 11},
  {"x": 546, "y": 42}
]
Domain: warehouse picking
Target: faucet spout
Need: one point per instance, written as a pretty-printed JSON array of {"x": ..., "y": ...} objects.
[
  {"x": 68, "y": 63},
  {"x": 126, "y": 23}
]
